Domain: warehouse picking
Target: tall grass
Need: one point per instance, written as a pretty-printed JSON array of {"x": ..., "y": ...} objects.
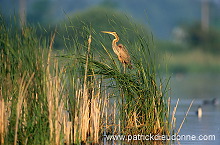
[
  {"x": 141, "y": 95},
  {"x": 50, "y": 97},
  {"x": 22, "y": 92},
  {"x": 143, "y": 104}
]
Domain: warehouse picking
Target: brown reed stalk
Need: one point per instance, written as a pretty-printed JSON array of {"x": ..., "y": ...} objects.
[
  {"x": 77, "y": 120},
  {"x": 58, "y": 117},
  {"x": 49, "y": 94},
  {"x": 185, "y": 117},
  {"x": 54, "y": 90},
  {"x": 173, "y": 119},
  {"x": 22, "y": 93},
  {"x": 2, "y": 118},
  {"x": 99, "y": 103},
  {"x": 84, "y": 126},
  {"x": 67, "y": 128},
  {"x": 58, "y": 106},
  {"x": 95, "y": 117}
]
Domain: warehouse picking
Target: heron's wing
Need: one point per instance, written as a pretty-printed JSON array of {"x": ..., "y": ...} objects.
[
  {"x": 123, "y": 48},
  {"x": 123, "y": 53}
]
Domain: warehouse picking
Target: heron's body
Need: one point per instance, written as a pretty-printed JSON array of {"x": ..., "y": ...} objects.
[
  {"x": 120, "y": 50},
  {"x": 123, "y": 55}
]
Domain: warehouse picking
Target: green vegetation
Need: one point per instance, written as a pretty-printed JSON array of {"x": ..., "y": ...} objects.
[
  {"x": 208, "y": 41},
  {"x": 22, "y": 88},
  {"x": 78, "y": 95},
  {"x": 197, "y": 52},
  {"x": 199, "y": 55},
  {"x": 193, "y": 61}
]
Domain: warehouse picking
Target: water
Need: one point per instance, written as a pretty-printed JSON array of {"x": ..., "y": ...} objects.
[{"x": 197, "y": 87}]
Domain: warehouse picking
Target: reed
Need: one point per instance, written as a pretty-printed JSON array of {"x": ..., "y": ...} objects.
[
  {"x": 2, "y": 118},
  {"x": 141, "y": 95},
  {"x": 51, "y": 97},
  {"x": 21, "y": 95}
]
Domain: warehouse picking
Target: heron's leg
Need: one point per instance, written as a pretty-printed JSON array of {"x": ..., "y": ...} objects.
[{"x": 124, "y": 68}]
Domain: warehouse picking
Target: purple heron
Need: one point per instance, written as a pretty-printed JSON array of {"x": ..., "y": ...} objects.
[{"x": 120, "y": 50}]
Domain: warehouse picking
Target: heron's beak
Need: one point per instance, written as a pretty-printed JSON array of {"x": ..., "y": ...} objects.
[{"x": 109, "y": 32}]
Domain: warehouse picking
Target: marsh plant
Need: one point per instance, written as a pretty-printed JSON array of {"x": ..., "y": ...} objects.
[{"x": 79, "y": 94}]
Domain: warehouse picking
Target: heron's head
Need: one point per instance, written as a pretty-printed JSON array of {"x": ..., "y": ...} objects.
[{"x": 109, "y": 32}]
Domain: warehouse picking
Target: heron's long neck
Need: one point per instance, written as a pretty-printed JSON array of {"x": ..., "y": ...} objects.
[{"x": 114, "y": 45}]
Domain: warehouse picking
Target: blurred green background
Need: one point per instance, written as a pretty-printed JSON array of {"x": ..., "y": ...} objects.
[{"x": 186, "y": 33}]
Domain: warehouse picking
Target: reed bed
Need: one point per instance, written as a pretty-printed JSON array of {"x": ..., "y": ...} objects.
[{"x": 64, "y": 98}]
